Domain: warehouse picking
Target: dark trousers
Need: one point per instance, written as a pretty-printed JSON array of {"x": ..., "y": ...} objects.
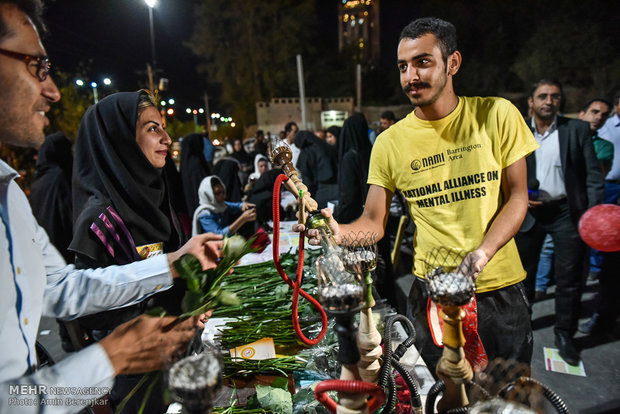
[
  {"x": 503, "y": 324},
  {"x": 606, "y": 302},
  {"x": 570, "y": 261}
]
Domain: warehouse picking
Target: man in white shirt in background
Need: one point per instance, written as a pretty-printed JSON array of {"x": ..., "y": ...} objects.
[
  {"x": 34, "y": 278},
  {"x": 611, "y": 132}
]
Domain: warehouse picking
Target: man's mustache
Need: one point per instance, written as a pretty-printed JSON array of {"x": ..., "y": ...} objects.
[{"x": 417, "y": 85}]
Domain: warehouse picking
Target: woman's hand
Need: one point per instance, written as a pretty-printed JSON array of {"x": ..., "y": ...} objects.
[
  {"x": 246, "y": 206},
  {"x": 248, "y": 215}
]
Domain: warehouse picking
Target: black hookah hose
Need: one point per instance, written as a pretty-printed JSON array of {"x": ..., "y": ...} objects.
[
  {"x": 552, "y": 397},
  {"x": 391, "y": 359}
]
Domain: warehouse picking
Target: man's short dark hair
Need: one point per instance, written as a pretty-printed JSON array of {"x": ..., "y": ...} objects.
[
  {"x": 443, "y": 30},
  {"x": 545, "y": 81},
  {"x": 32, "y": 8},
  {"x": 289, "y": 127},
  {"x": 389, "y": 115},
  {"x": 586, "y": 106}
]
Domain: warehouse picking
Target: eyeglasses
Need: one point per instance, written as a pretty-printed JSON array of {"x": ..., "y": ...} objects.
[{"x": 40, "y": 70}]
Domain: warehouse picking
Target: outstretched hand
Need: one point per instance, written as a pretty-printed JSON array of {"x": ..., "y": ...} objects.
[
  {"x": 148, "y": 343},
  {"x": 473, "y": 263},
  {"x": 313, "y": 235},
  {"x": 206, "y": 247}
]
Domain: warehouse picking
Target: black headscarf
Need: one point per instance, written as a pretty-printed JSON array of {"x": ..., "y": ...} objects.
[
  {"x": 227, "y": 169},
  {"x": 354, "y": 136},
  {"x": 353, "y": 159},
  {"x": 50, "y": 192},
  {"x": 335, "y": 131},
  {"x": 317, "y": 165},
  {"x": 194, "y": 167},
  {"x": 242, "y": 156},
  {"x": 111, "y": 170}
]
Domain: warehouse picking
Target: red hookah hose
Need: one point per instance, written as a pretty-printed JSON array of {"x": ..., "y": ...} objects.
[
  {"x": 296, "y": 285},
  {"x": 353, "y": 387}
]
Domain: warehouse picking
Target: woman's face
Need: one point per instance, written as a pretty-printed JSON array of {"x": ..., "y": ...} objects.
[
  {"x": 330, "y": 138},
  {"x": 237, "y": 145},
  {"x": 219, "y": 193},
  {"x": 151, "y": 137},
  {"x": 262, "y": 167}
]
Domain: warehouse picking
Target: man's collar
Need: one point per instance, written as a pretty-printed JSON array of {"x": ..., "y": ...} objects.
[
  {"x": 6, "y": 172},
  {"x": 549, "y": 130}
]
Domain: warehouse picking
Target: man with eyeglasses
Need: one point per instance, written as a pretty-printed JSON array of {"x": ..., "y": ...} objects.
[
  {"x": 35, "y": 279},
  {"x": 564, "y": 179}
]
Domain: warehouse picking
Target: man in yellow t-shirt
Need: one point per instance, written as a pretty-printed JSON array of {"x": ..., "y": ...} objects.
[{"x": 460, "y": 163}]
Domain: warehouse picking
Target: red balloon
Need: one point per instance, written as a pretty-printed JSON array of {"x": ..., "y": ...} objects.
[{"x": 599, "y": 227}]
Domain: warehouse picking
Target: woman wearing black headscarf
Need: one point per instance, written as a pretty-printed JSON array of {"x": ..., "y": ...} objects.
[
  {"x": 317, "y": 165},
  {"x": 50, "y": 192},
  {"x": 245, "y": 160},
  {"x": 227, "y": 169},
  {"x": 122, "y": 206},
  {"x": 194, "y": 167},
  {"x": 353, "y": 160}
]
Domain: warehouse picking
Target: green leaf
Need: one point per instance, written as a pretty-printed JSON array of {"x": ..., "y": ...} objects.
[
  {"x": 227, "y": 298},
  {"x": 282, "y": 291},
  {"x": 189, "y": 268},
  {"x": 191, "y": 301},
  {"x": 280, "y": 382},
  {"x": 274, "y": 399}
]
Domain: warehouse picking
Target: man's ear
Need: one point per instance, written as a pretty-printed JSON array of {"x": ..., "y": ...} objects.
[{"x": 454, "y": 62}]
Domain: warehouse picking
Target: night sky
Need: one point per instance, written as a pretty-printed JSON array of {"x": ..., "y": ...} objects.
[{"x": 115, "y": 36}]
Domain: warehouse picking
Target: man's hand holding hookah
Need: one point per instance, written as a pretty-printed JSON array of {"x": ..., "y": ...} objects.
[{"x": 314, "y": 236}]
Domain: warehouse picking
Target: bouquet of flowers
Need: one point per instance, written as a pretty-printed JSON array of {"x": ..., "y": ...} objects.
[{"x": 204, "y": 287}]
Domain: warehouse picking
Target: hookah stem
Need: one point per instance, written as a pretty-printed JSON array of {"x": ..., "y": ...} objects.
[{"x": 296, "y": 285}]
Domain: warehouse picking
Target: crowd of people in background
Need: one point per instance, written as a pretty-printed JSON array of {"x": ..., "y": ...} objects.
[{"x": 130, "y": 203}]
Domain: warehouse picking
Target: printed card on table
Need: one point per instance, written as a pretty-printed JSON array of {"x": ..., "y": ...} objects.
[{"x": 261, "y": 349}]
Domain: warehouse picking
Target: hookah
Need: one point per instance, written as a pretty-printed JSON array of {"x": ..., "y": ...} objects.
[
  {"x": 453, "y": 289},
  {"x": 281, "y": 155},
  {"x": 195, "y": 380},
  {"x": 360, "y": 257},
  {"x": 342, "y": 294}
]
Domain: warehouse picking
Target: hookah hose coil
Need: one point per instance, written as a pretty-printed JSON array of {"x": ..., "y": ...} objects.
[
  {"x": 348, "y": 386},
  {"x": 295, "y": 285},
  {"x": 552, "y": 397},
  {"x": 391, "y": 359}
]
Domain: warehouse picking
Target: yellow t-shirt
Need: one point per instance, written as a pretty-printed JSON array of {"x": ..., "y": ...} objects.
[{"x": 450, "y": 171}]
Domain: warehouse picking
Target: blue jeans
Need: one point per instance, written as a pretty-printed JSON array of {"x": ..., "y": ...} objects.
[
  {"x": 545, "y": 263},
  {"x": 612, "y": 196}
]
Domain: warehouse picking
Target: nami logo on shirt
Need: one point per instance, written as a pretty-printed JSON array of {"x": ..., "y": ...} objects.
[{"x": 431, "y": 161}]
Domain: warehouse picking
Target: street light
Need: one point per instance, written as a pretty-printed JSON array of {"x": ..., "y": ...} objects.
[
  {"x": 151, "y": 4},
  {"x": 106, "y": 81},
  {"x": 195, "y": 113}
]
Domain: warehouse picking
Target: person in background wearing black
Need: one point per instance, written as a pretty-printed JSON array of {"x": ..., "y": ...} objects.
[
  {"x": 194, "y": 167},
  {"x": 50, "y": 193},
  {"x": 260, "y": 144},
  {"x": 566, "y": 172},
  {"x": 317, "y": 164}
]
